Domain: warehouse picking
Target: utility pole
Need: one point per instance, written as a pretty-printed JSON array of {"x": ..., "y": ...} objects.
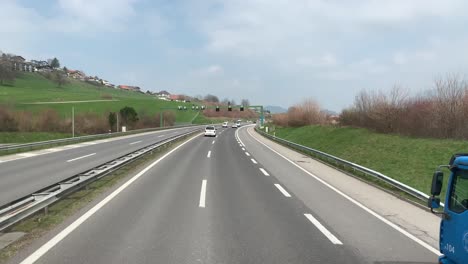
[{"x": 73, "y": 121}]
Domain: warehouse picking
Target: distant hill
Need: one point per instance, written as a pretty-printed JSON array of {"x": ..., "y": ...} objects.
[{"x": 274, "y": 109}]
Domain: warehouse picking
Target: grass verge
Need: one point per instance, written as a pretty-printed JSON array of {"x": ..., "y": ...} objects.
[
  {"x": 41, "y": 223},
  {"x": 26, "y": 137},
  {"x": 409, "y": 160}
]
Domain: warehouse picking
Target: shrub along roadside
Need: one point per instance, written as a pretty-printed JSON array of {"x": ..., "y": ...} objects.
[{"x": 409, "y": 160}]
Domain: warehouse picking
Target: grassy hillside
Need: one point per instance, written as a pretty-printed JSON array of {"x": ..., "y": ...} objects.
[
  {"x": 31, "y": 88},
  {"x": 409, "y": 160}
]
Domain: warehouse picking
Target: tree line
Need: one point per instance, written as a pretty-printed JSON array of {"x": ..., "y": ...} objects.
[
  {"x": 49, "y": 120},
  {"x": 439, "y": 113}
]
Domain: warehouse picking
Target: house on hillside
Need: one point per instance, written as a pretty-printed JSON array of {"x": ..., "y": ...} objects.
[
  {"x": 41, "y": 66},
  {"x": 108, "y": 84},
  {"x": 163, "y": 94},
  {"x": 129, "y": 88},
  {"x": 20, "y": 64},
  {"x": 174, "y": 97},
  {"x": 76, "y": 74}
]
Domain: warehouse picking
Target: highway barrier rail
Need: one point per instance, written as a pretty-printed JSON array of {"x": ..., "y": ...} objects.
[
  {"x": 19, "y": 209},
  {"x": 16, "y": 147},
  {"x": 347, "y": 164}
]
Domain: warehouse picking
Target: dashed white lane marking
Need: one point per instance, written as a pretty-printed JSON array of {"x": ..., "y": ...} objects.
[
  {"x": 213, "y": 142},
  {"x": 324, "y": 230},
  {"x": 202, "y": 194},
  {"x": 136, "y": 142},
  {"x": 352, "y": 200},
  {"x": 161, "y": 136},
  {"x": 27, "y": 155},
  {"x": 65, "y": 232},
  {"x": 254, "y": 161},
  {"x": 243, "y": 149},
  {"x": 264, "y": 172},
  {"x": 82, "y": 157},
  {"x": 209, "y": 154},
  {"x": 282, "y": 190},
  {"x": 248, "y": 154}
]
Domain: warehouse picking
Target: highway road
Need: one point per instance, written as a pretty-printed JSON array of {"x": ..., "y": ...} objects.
[
  {"x": 24, "y": 173},
  {"x": 228, "y": 199}
]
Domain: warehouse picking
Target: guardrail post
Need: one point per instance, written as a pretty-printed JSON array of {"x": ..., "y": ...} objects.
[{"x": 46, "y": 210}]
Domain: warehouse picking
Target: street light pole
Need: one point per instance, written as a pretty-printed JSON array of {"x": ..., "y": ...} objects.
[{"x": 73, "y": 121}]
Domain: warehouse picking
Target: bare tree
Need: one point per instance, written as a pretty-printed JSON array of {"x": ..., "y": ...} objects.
[
  {"x": 6, "y": 71},
  {"x": 245, "y": 102},
  {"x": 225, "y": 101},
  {"x": 211, "y": 98},
  {"x": 59, "y": 78}
]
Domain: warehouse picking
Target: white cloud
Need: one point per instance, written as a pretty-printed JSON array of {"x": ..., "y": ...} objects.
[
  {"x": 212, "y": 70},
  {"x": 324, "y": 61},
  {"x": 399, "y": 58},
  {"x": 110, "y": 15}
]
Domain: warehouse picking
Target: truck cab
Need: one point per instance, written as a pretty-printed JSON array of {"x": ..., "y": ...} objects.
[{"x": 453, "y": 238}]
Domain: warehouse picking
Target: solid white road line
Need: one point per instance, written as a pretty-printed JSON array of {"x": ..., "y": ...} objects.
[
  {"x": 282, "y": 190},
  {"x": 324, "y": 231},
  {"x": 27, "y": 155},
  {"x": 209, "y": 154},
  {"x": 248, "y": 154},
  {"x": 203, "y": 194},
  {"x": 54, "y": 149},
  {"x": 65, "y": 232},
  {"x": 88, "y": 143},
  {"x": 264, "y": 172},
  {"x": 238, "y": 138},
  {"x": 136, "y": 142},
  {"x": 82, "y": 157},
  {"x": 254, "y": 161},
  {"x": 370, "y": 211}
]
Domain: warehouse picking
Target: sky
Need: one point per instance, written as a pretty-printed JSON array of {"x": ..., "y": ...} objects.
[{"x": 272, "y": 52}]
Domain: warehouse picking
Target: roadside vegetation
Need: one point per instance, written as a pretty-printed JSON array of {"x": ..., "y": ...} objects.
[
  {"x": 408, "y": 160},
  {"x": 33, "y": 106},
  {"x": 404, "y": 137},
  {"x": 438, "y": 113}
]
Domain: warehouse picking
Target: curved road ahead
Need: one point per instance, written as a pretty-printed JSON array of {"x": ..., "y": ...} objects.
[{"x": 227, "y": 199}]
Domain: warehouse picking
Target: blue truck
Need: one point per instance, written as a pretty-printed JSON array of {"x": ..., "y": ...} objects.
[{"x": 453, "y": 238}]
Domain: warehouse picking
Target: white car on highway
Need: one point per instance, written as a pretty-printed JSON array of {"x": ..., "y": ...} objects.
[
  {"x": 234, "y": 125},
  {"x": 225, "y": 124},
  {"x": 210, "y": 131}
]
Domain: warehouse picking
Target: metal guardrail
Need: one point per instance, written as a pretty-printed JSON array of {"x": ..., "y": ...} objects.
[
  {"x": 19, "y": 209},
  {"x": 76, "y": 139},
  {"x": 401, "y": 186}
]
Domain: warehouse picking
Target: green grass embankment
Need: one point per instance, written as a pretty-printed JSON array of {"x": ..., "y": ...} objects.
[
  {"x": 30, "y": 89},
  {"x": 408, "y": 160}
]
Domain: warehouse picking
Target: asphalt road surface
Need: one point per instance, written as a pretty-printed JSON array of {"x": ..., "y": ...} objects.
[
  {"x": 32, "y": 172},
  {"x": 227, "y": 199}
]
